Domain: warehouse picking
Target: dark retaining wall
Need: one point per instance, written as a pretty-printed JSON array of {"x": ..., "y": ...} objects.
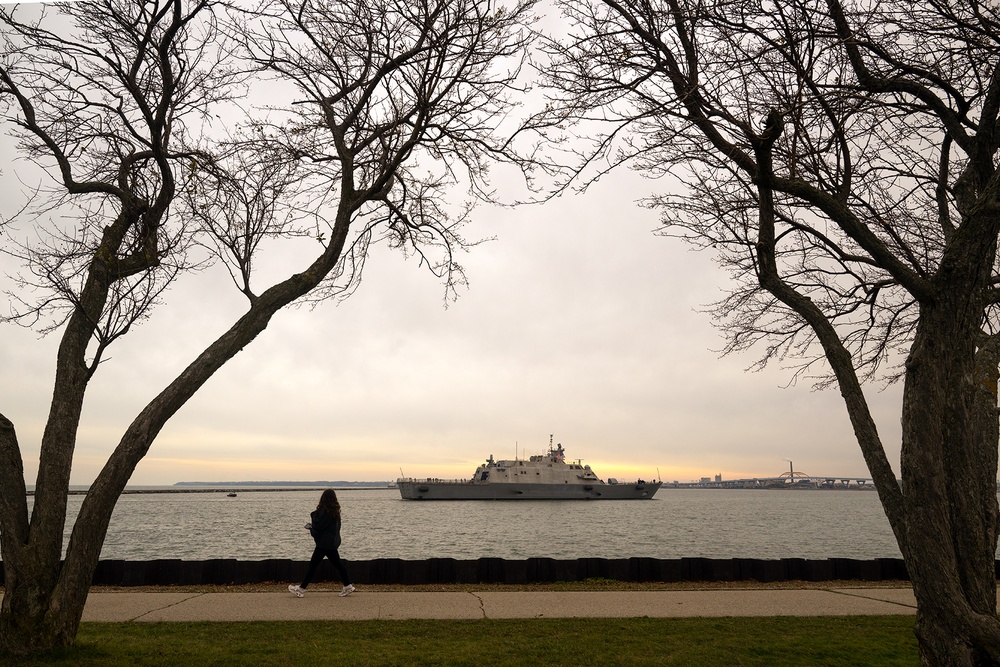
[{"x": 496, "y": 570}]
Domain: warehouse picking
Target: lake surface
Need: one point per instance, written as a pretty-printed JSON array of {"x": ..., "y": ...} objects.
[{"x": 677, "y": 523}]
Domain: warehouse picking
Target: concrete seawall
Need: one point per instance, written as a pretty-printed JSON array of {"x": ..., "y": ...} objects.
[{"x": 226, "y": 571}]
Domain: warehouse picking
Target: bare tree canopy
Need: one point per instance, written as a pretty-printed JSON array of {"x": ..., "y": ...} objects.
[
  {"x": 374, "y": 111},
  {"x": 839, "y": 160}
]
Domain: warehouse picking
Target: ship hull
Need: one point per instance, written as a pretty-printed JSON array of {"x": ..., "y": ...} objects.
[{"x": 457, "y": 490}]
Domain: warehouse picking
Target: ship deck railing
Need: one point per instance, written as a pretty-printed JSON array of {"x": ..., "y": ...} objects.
[{"x": 433, "y": 480}]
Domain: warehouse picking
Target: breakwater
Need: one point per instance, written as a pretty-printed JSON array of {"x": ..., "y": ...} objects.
[{"x": 228, "y": 571}]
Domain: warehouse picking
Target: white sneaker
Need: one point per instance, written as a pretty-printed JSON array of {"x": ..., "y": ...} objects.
[
  {"x": 296, "y": 590},
  {"x": 348, "y": 589}
]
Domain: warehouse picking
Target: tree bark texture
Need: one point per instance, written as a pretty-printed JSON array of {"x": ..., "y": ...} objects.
[{"x": 948, "y": 464}]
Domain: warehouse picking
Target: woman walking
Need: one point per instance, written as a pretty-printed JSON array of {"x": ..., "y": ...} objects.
[{"x": 325, "y": 529}]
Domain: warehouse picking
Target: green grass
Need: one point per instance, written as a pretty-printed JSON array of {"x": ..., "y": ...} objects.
[{"x": 840, "y": 641}]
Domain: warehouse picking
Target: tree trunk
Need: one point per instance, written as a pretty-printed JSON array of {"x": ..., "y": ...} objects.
[
  {"x": 37, "y": 618},
  {"x": 949, "y": 453},
  {"x": 39, "y": 611}
]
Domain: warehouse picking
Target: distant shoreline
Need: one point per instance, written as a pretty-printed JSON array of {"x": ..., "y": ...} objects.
[
  {"x": 337, "y": 484},
  {"x": 243, "y": 487}
]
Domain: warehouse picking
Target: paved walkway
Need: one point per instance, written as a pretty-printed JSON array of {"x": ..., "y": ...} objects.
[{"x": 324, "y": 604}]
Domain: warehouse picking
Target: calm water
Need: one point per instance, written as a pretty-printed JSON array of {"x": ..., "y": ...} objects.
[{"x": 377, "y": 524}]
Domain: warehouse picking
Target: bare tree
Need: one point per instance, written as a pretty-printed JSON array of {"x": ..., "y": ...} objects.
[
  {"x": 389, "y": 104},
  {"x": 839, "y": 159}
]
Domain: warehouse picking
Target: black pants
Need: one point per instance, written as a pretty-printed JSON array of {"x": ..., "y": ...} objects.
[{"x": 317, "y": 557}]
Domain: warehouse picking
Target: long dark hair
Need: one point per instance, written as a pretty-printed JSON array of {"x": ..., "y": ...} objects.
[{"x": 328, "y": 504}]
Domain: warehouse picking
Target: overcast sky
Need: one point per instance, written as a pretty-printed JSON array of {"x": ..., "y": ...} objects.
[{"x": 578, "y": 322}]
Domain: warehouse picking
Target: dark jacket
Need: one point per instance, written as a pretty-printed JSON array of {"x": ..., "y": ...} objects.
[{"x": 325, "y": 530}]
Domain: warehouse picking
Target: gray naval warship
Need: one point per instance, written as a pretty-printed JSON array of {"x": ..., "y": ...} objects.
[{"x": 542, "y": 477}]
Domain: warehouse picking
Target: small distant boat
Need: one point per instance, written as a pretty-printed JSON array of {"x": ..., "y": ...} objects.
[
  {"x": 231, "y": 494},
  {"x": 543, "y": 477}
]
